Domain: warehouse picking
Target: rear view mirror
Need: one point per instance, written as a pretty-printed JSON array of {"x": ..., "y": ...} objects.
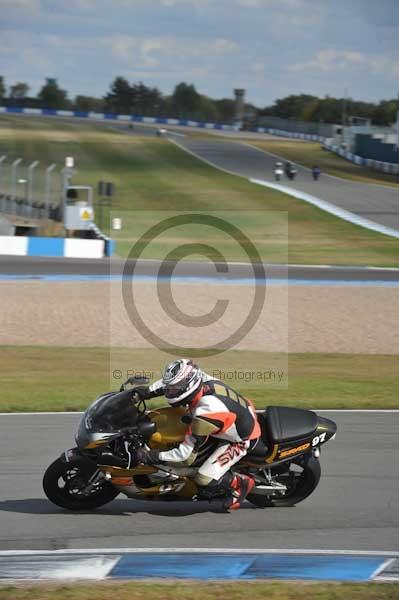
[{"x": 138, "y": 380}]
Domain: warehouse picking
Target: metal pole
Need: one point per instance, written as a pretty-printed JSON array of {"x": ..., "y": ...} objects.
[
  {"x": 67, "y": 174},
  {"x": 14, "y": 177},
  {"x": 31, "y": 168},
  {"x": 2, "y": 159},
  {"x": 48, "y": 182},
  {"x": 344, "y": 108}
]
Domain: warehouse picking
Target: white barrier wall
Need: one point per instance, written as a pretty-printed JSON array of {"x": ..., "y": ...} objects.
[
  {"x": 63, "y": 247},
  {"x": 16, "y": 246}
]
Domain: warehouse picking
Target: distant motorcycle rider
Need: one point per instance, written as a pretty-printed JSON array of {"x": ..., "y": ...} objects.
[
  {"x": 217, "y": 414},
  {"x": 316, "y": 172},
  {"x": 290, "y": 170}
]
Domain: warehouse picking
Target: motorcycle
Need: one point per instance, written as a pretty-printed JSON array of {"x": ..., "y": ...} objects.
[
  {"x": 284, "y": 462},
  {"x": 291, "y": 173},
  {"x": 316, "y": 173},
  {"x": 278, "y": 171}
]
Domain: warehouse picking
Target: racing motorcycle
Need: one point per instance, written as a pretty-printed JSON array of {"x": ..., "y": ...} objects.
[
  {"x": 284, "y": 462},
  {"x": 278, "y": 171}
]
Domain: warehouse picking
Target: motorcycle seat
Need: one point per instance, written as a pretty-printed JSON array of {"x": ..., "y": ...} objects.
[{"x": 284, "y": 424}]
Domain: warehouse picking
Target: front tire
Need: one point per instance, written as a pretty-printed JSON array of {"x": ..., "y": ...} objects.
[
  {"x": 300, "y": 485},
  {"x": 62, "y": 480}
]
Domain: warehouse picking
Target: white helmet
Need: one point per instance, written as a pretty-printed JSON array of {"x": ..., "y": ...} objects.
[{"x": 182, "y": 380}]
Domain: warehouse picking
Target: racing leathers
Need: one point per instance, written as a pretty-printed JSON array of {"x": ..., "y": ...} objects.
[{"x": 223, "y": 424}]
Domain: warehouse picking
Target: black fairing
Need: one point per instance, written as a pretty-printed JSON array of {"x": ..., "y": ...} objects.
[{"x": 284, "y": 424}]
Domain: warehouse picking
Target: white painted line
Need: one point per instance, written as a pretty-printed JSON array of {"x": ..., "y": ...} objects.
[
  {"x": 34, "y": 566},
  {"x": 382, "y": 567},
  {"x": 319, "y": 410},
  {"x": 391, "y": 554},
  {"x": 356, "y": 410},
  {"x": 30, "y": 414},
  {"x": 346, "y": 215},
  {"x": 337, "y": 267}
]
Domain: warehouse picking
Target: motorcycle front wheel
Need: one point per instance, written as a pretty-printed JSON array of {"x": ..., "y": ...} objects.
[
  {"x": 301, "y": 479},
  {"x": 63, "y": 484}
]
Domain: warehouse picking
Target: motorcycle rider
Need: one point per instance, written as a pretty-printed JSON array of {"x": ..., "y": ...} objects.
[
  {"x": 316, "y": 172},
  {"x": 290, "y": 170},
  {"x": 278, "y": 171},
  {"x": 217, "y": 413}
]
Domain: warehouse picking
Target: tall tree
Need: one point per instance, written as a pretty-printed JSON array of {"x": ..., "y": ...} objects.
[
  {"x": 146, "y": 101},
  {"x": 89, "y": 103},
  {"x": 385, "y": 113},
  {"x": 226, "y": 108},
  {"x": 2, "y": 88},
  {"x": 186, "y": 101},
  {"x": 52, "y": 96},
  {"x": 120, "y": 97},
  {"x": 19, "y": 90}
]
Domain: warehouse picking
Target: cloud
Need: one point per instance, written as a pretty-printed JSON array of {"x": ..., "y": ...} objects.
[
  {"x": 154, "y": 51},
  {"x": 295, "y": 4},
  {"x": 330, "y": 60},
  {"x": 30, "y": 5}
]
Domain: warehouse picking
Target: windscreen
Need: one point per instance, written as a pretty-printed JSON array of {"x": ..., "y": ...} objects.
[{"x": 111, "y": 412}]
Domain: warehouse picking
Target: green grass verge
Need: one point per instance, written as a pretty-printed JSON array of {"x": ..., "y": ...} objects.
[
  {"x": 39, "y": 378},
  {"x": 153, "y": 175},
  {"x": 313, "y": 153},
  {"x": 202, "y": 591}
]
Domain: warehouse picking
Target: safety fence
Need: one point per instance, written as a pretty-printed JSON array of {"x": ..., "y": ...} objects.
[
  {"x": 21, "y": 207},
  {"x": 377, "y": 165},
  {"x": 30, "y": 189}
]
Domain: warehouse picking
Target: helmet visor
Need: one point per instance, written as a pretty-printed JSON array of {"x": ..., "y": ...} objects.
[{"x": 176, "y": 390}]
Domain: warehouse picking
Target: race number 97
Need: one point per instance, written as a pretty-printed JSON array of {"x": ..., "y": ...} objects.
[{"x": 319, "y": 439}]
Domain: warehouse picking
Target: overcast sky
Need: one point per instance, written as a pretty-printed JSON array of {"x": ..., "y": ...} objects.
[{"x": 270, "y": 47}]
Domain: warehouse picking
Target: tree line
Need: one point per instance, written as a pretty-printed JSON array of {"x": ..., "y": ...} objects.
[{"x": 186, "y": 102}]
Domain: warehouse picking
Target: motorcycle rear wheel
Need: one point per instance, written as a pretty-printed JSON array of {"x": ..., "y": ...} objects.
[
  {"x": 300, "y": 485},
  {"x": 59, "y": 481}
]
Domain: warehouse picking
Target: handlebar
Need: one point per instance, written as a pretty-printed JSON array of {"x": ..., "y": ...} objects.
[{"x": 134, "y": 380}]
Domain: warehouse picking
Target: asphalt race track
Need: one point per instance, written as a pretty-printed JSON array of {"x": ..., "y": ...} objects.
[
  {"x": 355, "y": 507},
  {"x": 35, "y": 266},
  {"x": 374, "y": 202}
]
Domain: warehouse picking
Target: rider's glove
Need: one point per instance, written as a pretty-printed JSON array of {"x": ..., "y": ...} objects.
[
  {"x": 146, "y": 457},
  {"x": 141, "y": 392}
]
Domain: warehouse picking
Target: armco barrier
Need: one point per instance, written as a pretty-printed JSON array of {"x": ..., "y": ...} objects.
[
  {"x": 66, "y": 247},
  {"x": 290, "y": 134},
  {"x": 377, "y": 165},
  {"x": 114, "y": 117}
]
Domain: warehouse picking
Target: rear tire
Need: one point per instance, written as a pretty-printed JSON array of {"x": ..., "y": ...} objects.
[
  {"x": 302, "y": 486},
  {"x": 61, "y": 477}
]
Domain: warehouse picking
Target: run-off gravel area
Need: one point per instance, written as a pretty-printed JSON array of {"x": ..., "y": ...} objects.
[{"x": 296, "y": 318}]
